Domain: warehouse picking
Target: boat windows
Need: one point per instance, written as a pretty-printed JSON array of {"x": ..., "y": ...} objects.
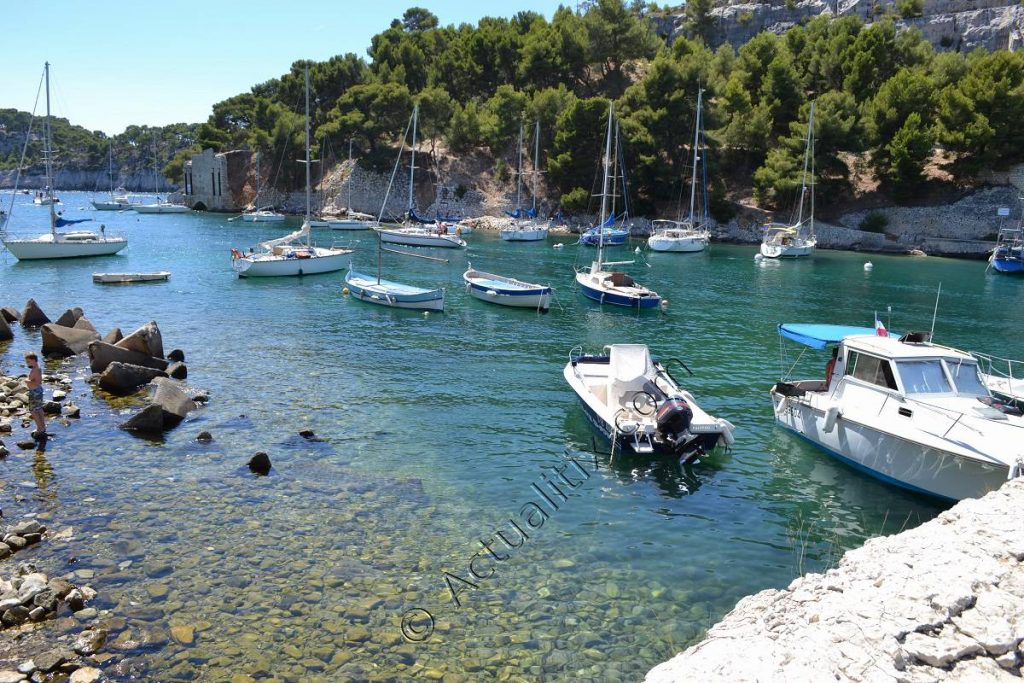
[
  {"x": 923, "y": 377},
  {"x": 965, "y": 377},
  {"x": 872, "y": 370}
]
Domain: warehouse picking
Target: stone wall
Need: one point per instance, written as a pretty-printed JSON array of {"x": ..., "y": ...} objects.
[
  {"x": 942, "y": 602},
  {"x": 215, "y": 182}
]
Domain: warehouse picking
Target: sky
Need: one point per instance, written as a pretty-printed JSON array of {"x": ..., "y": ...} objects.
[{"x": 113, "y": 64}]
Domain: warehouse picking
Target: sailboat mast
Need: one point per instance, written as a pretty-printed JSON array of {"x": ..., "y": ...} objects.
[
  {"x": 536, "y": 163},
  {"x": 696, "y": 141},
  {"x": 49, "y": 154},
  {"x": 351, "y": 172},
  {"x": 110, "y": 166},
  {"x": 803, "y": 178},
  {"x": 519, "y": 172},
  {"x": 156, "y": 169},
  {"x": 612, "y": 169},
  {"x": 810, "y": 136},
  {"x": 412, "y": 165},
  {"x": 307, "y": 154},
  {"x": 604, "y": 187}
]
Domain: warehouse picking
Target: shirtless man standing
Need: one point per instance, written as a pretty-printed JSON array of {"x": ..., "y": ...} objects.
[{"x": 35, "y": 394}]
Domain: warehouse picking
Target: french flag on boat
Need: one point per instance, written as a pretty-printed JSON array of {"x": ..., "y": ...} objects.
[{"x": 880, "y": 328}]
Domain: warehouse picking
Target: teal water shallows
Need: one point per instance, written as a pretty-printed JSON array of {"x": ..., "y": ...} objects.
[{"x": 434, "y": 430}]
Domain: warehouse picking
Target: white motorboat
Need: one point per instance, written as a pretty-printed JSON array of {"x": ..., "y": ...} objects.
[
  {"x": 506, "y": 291},
  {"x": 45, "y": 198},
  {"x": 691, "y": 234},
  {"x": 129, "y": 278},
  {"x": 612, "y": 287},
  {"x": 526, "y": 228},
  {"x": 415, "y": 236},
  {"x": 353, "y": 220},
  {"x": 1003, "y": 377},
  {"x": 636, "y": 404},
  {"x": 293, "y": 254},
  {"x": 906, "y": 411},
  {"x": 55, "y": 244},
  {"x": 796, "y": 240}
]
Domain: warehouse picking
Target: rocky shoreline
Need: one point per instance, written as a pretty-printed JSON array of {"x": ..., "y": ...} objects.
[{"x": 942, "y": 602}]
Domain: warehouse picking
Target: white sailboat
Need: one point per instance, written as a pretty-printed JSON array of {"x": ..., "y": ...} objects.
[
  {"x": 260, "y": 214},
  {"x": 118, "y": 202},
  {"x": 419, "y": 235},
  {"x": 352, "y": 220},
  {"x": 293, "y": 254},
  {"x": 56, "y": 244},
  {"x": 612, "y": 287},
  {"x": 690, "y": 235},
  {"x": 796, "y": 240},
  {"x": 526, "y": 228},
  {"x": 160, "y": 206}
]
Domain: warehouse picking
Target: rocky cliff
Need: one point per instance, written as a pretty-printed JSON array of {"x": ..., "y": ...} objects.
[
  {"x": 942, "y": 602},
  {"x": 89, "y": 181},
  {"x": 960, "y": 25}
]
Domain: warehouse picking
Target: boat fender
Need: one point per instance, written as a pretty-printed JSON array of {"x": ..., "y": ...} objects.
[
  {"x": 727, "y": 435},
  {"x": 831, "y": 416},
  {"x": 344, "y": 291}
]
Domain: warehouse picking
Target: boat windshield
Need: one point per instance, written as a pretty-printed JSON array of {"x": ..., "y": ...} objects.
[
  {"x": 966, "y": 378},
  {"x": 923, "y": 377}
]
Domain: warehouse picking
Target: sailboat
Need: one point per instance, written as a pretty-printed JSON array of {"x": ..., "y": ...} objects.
[
  {"x": 526, "y": 228},
  {"x": 159, "y": 206},
  {"x": 353, "y": 220},
  {"x": 260, "y": 214},
  {"x": 375, "y": 289},
  {"x": 605, "y": 231},
  {"x": 612, "y": 287},
  {"x": 289, "y": 255},
  {"x": 55, "y": 244},
  {"x": 688, "y": 235},
  {"x": 117, "y": 202},
  {"x": 418, "y": 235},
  {"x": 792, "y": 241}
]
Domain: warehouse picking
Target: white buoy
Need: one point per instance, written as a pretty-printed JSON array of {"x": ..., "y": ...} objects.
[
  {"x": 869, "y": 265},
  {"x": 758, "y": 257},
  {"x": 559, "y": 245},
  {"x": 637, "y": 250}
]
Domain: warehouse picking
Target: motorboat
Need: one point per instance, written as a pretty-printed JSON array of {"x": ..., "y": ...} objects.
[
  {"x": 1004, "y": 377},
  {"x": 636, "y": 404},
  {"x": 911, "y": 413},
  {"x": 524, "y": 231},
  {"x": 293, "y": 254},
  {"x": 690, "y": 234},
  {"x": 416, "y": 236},
  {"x": 129, "y": 278},
  {"x": 353, "y": 220},
  {"x": 612, "y": 287},
  {"x": 1008, "y": 255},
  {"x": 45, "y": 198},
  {"x": 264, "y": 215},
  {"x": 781, "y": 240},
  {"x": 56, "y": 244},
  {"x": 506, "y": 291}
]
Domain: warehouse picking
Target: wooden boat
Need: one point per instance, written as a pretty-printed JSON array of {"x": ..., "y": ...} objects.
[
  {"x": 128, "y": 278},
  {"x": 506, "y": 291}
]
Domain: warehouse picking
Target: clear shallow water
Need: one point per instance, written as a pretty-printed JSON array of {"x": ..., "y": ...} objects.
[{"x": 434, "y": 428}]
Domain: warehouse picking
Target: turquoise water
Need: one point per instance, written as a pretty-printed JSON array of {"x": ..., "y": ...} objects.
[{"x": 433, "y": 428}]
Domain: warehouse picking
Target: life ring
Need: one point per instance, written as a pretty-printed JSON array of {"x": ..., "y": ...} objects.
[{"x": 235, "y": 254}]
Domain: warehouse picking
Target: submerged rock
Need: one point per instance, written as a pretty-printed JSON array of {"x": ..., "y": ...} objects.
[
  {"x": 204, "y": 437},
  {"x": 177, "y": 370},
  {"x": 260, "y": 464},
  {"x": 176, "y": 356}
]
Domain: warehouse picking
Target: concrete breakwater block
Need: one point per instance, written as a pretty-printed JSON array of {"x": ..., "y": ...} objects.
[
  {"x": 6, "y": 334},
  {"x": 145, "y": 340},
  {"x": 122, "y": 379},
  {"x": 102, "y": 354},
  {"x": 61, "y": 341},
  {"x": 32, "y": 315}
]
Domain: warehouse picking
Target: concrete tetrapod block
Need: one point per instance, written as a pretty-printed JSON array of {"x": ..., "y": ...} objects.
[
  {"x": 33, "y": 316},
  {"x": 175, "y": 403},
  {"x": 67, "y": 319},
  {"x": 146, "y": 339},
  {"x": 150, "y": 420},
  {"x": 62, "y": 341},
  {"x": 84, "y": 324},
  {"x": 10, "y": 314},
  {"x": 6, "y": 334},
  {"x": 113, "y": 336},
  {"x": 102, "y": 354},
  {"x": 124, "y": 378}
]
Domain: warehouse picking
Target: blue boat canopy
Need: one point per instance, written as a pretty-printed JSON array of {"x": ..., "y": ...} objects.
[{"x": 819, "y": 336}]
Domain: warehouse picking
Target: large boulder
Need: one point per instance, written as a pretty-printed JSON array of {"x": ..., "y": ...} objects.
[
  {"x": 102, "y": 354},
  {"x": 145, "y": 340},
  {"x": 150, "y": 420},
  {"x": 10, "y": 314},
  {"x": 113, "y": 336},
  {"x": 124, "y": 378},
  {"x": 5, "y": 330},
  {"x": 67, "y": 319},
  {"x": 84, "y": 324},
  {"x": 175, "y": 403},
  {"x": 63, "y": 341},
  {"x": 33, "y": 316}
]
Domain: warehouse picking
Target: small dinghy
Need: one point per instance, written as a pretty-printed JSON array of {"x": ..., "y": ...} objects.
[
  {"x": 506, "y": 291},
  {"x": 128, "y": 278},
  {"x": 636, "y": 404}
]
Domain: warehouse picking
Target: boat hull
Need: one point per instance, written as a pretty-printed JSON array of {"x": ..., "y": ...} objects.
[
  {"x": 129, "y": 278},
  {"x": 284, "y": 266},
  {"x": 261, "y": 217},
  {"x": 38, "y": 249},
  {"x": 612, "y": 237},
  {"x": 420, "y": 239},
  {"x": 111, "y": 206},
  {"x": 161, "y": 208},
  {"x": 342, "y": 224},
  {"x": 677, "y": 244},
  {"x": 524, "y": 234},
  {"x": 602, "y": 295},
  {"x": 392, "y": 294},
  {"x": 507, "y": 292},
  {"x": 786, "y": 250},
  {"x": 1012, "y": 266},
  {"x": 889, "y": 457}
]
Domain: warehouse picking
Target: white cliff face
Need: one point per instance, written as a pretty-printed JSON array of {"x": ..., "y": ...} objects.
[
  {"x": 88, "y": 181},
  {"x": 942, "y": 602},
  {"x": 961, "y": 25}
]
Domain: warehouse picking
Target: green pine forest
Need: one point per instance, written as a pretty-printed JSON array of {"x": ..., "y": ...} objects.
[{"x": 888, "y": 105}]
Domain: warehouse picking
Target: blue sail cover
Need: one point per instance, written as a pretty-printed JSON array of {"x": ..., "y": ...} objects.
[
  {"x": 417, "y": 219},
  {"x": 522, "y": 213},
  {"x": 819, "y": 336},
  {"x": 61, "y": 222}
]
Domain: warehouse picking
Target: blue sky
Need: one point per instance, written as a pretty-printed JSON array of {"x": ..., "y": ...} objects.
[{"x": 118, "y": 63}]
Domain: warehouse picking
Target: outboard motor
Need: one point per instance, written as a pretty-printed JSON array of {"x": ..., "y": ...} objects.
[{"x": 674, "y": 417}]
